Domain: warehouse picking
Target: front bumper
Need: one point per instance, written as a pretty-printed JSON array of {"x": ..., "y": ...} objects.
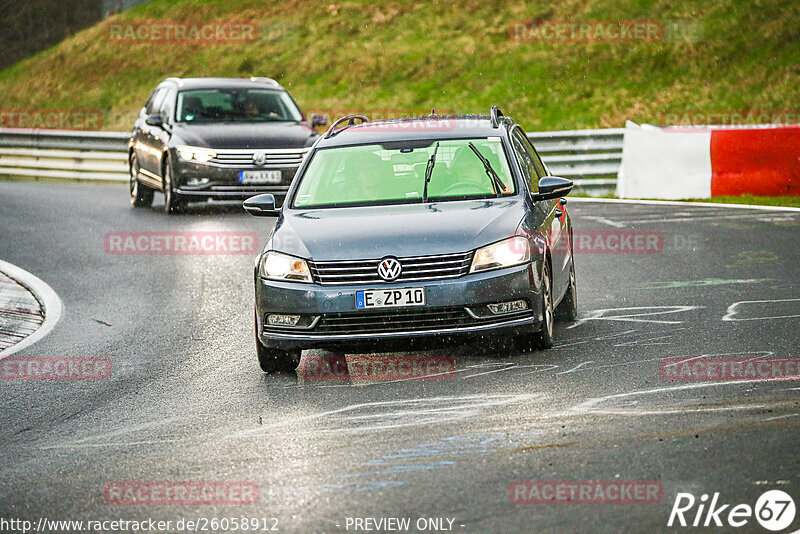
[
  {"x": 454, "y": 307},
  {"x": 223, "y": 183}
]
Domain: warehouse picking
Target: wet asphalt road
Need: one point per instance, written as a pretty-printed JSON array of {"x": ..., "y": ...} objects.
[{"x": 187, "y": 402}]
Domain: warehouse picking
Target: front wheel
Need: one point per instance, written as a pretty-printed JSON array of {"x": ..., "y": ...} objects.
[
  {"x": 141, "y": 196},
  {"x": 543, "y": 339},
  {"x": 172, "y": 203},
  {"x": 568, "y": 308},
  {"x": 275, "y": 360}
]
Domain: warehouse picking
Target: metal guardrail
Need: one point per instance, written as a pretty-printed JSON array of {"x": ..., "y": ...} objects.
[{"x": 589, "y": 157}]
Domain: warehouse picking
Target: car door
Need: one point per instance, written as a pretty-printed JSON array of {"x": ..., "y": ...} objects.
[
  {"x": 547, "y": 211},
  {"x": 140, "y": 128},
  {"x": 150, "y": 144},
  {"x": 162, "y": 134},
  {"x": 561, "y": 250}
]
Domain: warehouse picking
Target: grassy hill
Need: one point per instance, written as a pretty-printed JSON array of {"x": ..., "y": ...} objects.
[{"x": 390, "y": 57}]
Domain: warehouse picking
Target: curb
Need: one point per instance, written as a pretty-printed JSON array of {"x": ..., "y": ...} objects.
[{"x": 49, "y": 300}]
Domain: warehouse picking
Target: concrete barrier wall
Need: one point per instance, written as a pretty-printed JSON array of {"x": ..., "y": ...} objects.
[{"x": 689, "y": 162}]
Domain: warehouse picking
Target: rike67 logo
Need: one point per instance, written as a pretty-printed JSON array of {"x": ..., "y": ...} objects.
[{"x": 774, "y": 510}]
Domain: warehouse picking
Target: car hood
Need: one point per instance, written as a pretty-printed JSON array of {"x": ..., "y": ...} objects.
[
  {"x": 244, "y": 135},
  {"x": 399, "y": 230}
]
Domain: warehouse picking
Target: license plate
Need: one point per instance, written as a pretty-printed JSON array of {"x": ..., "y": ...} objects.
[
  {"x": 390, "y": 298},
  {"x": 260, "y": 177}
]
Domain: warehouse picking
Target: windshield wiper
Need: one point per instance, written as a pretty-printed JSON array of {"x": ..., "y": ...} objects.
[
  {"x": 497, "y": 183},
  {"x": 429, "y": 172}
]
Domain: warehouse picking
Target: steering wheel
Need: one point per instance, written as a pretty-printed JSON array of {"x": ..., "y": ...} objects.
[{"x": 476, "y": 189}]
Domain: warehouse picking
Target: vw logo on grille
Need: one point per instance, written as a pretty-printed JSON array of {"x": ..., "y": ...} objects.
[
  {"x": 389, "y": 269},
  {"x": 260, "y": 158}
]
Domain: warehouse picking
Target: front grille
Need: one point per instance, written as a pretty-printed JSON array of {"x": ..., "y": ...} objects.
[
  {"x": 243, "y": 158},
  {"x": 419, "y": 268},
  {"x": 394, "y": 321}
]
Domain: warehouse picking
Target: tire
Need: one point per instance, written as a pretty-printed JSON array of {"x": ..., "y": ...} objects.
[
  {"x": 568, "y": 308},
  {"x": 275, "y": 360},
  {"x": 172, "y": 202},
  {"x": 141, "y": 195},
  {"x": 543, "y": 339}
]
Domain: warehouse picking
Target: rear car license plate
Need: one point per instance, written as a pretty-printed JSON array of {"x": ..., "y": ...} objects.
[
  {"x": 260, "y": 177},
  {"x": 390, "y": 298}
]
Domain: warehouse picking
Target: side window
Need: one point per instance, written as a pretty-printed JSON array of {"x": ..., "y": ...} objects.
[
  {"x": 537, "y": 162},
  {"x": 149, "y": 104},
  {"x": 165, "y": 110},
  {"x": 525, "y": 160},
  {"x": 155, "y": 103}
]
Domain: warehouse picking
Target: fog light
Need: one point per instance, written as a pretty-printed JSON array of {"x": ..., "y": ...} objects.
[
  {"x": 508, "y": 307},
  {"x": 283, "y": 320},
  {"x": 197, "y": 181}
]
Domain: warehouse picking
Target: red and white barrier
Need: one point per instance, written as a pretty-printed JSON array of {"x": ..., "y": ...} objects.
[{"x": 687, "y": 162}]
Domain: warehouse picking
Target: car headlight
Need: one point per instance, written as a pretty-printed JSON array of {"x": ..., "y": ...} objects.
[
  {"x": 277, "y": 266},
  {"x": 507, "y": 253},
  {"x": 191, "y": 153}
]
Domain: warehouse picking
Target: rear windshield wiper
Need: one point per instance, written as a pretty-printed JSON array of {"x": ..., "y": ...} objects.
[
  {"x": 497, "y": 183},
  {"x": 429, "y": 172}
]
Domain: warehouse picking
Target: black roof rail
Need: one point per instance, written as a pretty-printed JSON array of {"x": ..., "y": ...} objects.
[
  {"x": 496, "y": 114},
  {"x": 351, "y": 121}
]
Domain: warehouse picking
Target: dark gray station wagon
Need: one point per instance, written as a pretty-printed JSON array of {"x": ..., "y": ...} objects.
[
  {"x": 217, "y": 138},
  {"x": 415, "y": 227}
]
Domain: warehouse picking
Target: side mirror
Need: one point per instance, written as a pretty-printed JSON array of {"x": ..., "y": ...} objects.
[
  {"x": 154, "y": 120},
  {"x": 318, "y": 120},
  {"x": 261, "y": 205},
  {"x": 553, "y": 187}
]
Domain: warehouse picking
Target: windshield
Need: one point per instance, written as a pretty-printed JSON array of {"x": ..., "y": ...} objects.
[
  {"x": 395, "y": 173},
  {"x": 236, "y": 105}
]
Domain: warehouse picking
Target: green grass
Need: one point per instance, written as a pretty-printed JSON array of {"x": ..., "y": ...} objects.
[{"x": 389, "y": 58}]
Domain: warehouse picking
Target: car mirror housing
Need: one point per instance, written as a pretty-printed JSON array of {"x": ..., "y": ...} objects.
[
  {"x": 261, "y": 205},
  {"x": 154, "y": 120},
  {"x": 553, "y": 187},
  {"x": 318, "y": 120}
]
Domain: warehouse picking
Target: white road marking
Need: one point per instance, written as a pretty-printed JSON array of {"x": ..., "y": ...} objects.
[
  {"x": 576, "y": 367},
  {"x": 782, "y": 416},
  {"x": 599, "y": 315},
  {"x": 682, "y": 204},
  {"x": 604, "y": 220},
  {"x": 694, "y": 218},
  {"x": 47, "y": 298},
  {"x": 732, "y": 311}
]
